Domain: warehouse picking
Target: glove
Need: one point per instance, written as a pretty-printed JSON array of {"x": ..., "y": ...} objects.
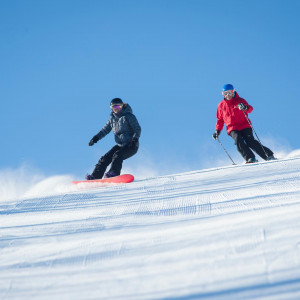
[
  {"x": 133, "y": 142},
  {"x": 93, "y": 141},
  {"x": 242, "y": 106},
  {"x": 216, "y": 134}
]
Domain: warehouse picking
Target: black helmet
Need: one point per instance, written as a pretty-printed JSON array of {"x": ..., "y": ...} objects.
[{"x": 116, "y": 101}]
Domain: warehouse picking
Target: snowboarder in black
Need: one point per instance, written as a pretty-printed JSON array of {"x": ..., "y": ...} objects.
[{"x": 127, "y": 131}]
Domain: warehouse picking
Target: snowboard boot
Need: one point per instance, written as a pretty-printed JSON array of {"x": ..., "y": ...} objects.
[
  {"x": 271, "y": 157},
  {"x": 89, "y": 177},
  {"x": 110, "y": 174}
]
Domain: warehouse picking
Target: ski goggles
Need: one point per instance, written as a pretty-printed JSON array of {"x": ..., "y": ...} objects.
[
  {"x": 227, "y": 93},
  {"x": 116, "y": 106}
]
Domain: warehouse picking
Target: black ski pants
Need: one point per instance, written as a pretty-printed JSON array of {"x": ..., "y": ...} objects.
[
  {"x": 115, "y": 157},
  {"x": 244, "y": 140}
]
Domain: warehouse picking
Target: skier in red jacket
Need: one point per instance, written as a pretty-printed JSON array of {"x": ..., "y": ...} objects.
[{"x": 232, "y": 111}]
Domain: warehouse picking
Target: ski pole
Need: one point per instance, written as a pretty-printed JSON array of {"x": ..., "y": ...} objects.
[
  {"x": 225, "y": 151},
  {"x": 255, "y": 134}
]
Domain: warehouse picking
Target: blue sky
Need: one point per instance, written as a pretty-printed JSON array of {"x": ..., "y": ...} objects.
[{"x": 63, "y": 61}]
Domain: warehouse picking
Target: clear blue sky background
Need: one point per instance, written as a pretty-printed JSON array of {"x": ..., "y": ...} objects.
[{"x": 63, "y": 61}]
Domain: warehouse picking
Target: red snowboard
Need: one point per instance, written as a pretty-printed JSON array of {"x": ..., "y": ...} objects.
[{"x": 125, "y": 178}]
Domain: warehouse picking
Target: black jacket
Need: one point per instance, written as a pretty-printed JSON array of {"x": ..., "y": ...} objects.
[{"x": 124, "y": 125}]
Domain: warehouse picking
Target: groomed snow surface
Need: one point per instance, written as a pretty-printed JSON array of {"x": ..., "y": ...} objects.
[{"x": 224, "y": 233}]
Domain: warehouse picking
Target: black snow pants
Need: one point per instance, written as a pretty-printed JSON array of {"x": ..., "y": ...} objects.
[
  {"x": 244, "y": 140},
  {"x": 115, "y": 157}
]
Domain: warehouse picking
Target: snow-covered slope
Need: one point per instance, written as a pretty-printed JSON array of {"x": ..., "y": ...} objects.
[{"x": 228, "y": 233}]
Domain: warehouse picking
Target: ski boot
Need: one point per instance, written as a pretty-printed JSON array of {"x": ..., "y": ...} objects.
[{"x": 251, "y": 160}]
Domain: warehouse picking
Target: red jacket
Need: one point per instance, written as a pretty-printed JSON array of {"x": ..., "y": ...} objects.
[{"x": 229, "y": 113}]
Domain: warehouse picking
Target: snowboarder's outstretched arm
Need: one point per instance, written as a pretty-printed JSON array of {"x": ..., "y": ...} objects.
[
  {"x": 105, "y": 130},
  {"x": 101, "y": 134}
]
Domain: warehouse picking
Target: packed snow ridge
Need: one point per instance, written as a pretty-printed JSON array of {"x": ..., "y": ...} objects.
[{"x": 224, "y": 233}]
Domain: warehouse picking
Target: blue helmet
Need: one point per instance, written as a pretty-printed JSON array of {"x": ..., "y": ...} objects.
[{"x": 227, "y": 87}]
